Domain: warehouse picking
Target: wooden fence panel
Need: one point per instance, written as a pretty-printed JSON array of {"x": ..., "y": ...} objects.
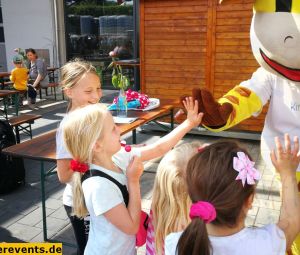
[{"x": 192, "y": 43}]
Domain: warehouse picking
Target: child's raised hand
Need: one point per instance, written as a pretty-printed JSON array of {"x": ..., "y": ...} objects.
[
  {"x": 286, "y": 160},
  {"x": 193, "y": 117},
  {"x": 135, "y": 169}
]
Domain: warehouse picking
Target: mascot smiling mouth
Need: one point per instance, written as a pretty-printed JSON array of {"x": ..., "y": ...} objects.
[{"x": 289, "y": 73}]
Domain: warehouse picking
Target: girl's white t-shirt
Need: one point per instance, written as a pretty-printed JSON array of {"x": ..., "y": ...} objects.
[
  {"x": 63, "y": 153},
  {"x": 100, "y": 196},
  {"x": 267, "y": 240}
]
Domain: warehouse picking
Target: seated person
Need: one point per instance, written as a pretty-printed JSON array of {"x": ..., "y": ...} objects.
[
  {"x": 19, "y": 77},
  {"x": 38, "y": 76}
]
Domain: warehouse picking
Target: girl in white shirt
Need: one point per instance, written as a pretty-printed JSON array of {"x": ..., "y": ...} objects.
[
  {"x": 81, "y": 84},
  {"x": 221, "y": 183},
  {"x": 93, "y": 139}
]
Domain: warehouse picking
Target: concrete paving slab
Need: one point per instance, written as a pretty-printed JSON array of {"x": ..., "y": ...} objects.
[
  {"x": 34, "y": 217},
  {"x": 60, "y": 213},
  {"x": 53, "y": 224},
  {"x": 24, "y": 232},
  {"x": 267, "y": 216}
]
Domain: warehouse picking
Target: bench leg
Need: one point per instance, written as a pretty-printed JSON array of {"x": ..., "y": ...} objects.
[
  {"x": 43, "y": 202},
  {"x": 55, "y": 93},
  {"x": 134, "y": 136},
  {"x": 30, "y": 131},
  {"x": 16, "y": 102},
  {"x": 17, "y": 134}
]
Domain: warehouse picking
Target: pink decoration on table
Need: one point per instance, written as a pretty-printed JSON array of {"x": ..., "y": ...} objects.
[
  {"x": 203, "y": 210},
  {"x": 245, "y": 167},
  {"x": 134, "y": 95}
]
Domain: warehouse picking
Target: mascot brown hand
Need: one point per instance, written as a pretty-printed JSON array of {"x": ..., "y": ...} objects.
[{"x": 215, "y": 114}]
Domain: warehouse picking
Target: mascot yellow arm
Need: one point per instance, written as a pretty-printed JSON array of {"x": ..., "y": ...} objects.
[{"x": 245, "y": 103}]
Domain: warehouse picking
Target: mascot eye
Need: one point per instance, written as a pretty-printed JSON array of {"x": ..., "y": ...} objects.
[{"x": 288, "y": 37}]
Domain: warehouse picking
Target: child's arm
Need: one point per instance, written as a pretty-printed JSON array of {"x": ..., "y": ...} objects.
[
  {"x": 12, "y": 77},
  {"x": 167, "y": 142},
  {"x": 128, "y": 219},
  {"x": 286, "y": 162}
]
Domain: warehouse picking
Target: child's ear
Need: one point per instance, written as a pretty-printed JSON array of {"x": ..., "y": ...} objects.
[
  {"x": 97, "y": 146},
  {"x": 249, "y": 201},
  {"x": 68, "y": 92}
]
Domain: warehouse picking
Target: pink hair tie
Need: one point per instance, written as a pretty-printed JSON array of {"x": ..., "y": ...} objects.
[
  {"x": 76, "y": 166},
  {"x": 203, "y": 210}
]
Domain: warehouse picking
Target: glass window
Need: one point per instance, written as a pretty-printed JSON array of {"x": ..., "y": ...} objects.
[
  {"x": 1, "y": 19},
  {"x": 97, "y": 27},
  {"x": 1, "y": 34}
]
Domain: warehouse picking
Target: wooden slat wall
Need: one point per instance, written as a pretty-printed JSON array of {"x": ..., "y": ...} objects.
[{"x": 196, "y": 43}]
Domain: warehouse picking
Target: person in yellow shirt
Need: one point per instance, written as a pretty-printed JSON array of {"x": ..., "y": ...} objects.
[{"x": 19, "y": 76}]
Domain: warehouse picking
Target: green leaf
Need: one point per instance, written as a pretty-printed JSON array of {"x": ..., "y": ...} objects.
[{"x": 115, "y": 81}]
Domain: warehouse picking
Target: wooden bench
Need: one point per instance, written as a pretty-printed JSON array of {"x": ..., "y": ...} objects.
[
  {"x": 18, "y": 121},
  {"x": 53, "y": 86},
  {"x": 8, "y": 84}
]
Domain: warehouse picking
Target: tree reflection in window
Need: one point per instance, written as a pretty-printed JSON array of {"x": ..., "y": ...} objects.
[{"x": 96, "y": 28}]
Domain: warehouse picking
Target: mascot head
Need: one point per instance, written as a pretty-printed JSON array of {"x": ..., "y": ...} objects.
[{"x": 275, "y": 37}]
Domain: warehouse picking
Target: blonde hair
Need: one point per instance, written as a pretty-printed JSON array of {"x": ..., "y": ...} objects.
[
  {"x": 72, "y": 72},
  {"x": 81, "y": 129},
  {"x": 170, "y": 202}
]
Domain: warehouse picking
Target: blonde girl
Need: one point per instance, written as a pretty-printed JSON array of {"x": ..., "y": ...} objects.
[
  {"x": 170, "y": 201},
  {"x": 81, "y": 84},
  {"x": 93, "y": 140}
]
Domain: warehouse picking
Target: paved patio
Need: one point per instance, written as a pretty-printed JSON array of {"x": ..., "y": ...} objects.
[{"x": 21, "y": 214}]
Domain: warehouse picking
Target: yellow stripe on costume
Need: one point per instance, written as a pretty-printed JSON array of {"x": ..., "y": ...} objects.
[
  {"x": 270, "y": 6},
  {"x": 296, "y": 6},
  {"x": 264, "y": 6},
  {"x": 244, "y": 102}
]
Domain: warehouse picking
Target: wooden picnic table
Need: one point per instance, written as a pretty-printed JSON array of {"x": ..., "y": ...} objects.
[
  {"x": 7, "y": 93},
  {"x": 52, "y": 69},
  {"x": 51, "y": 72},
  {"x": 3, "y": 75},
  {"x": 43, "y": 147}
]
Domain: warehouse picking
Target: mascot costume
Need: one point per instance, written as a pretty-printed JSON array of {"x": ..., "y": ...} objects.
[{"x": 275, "y": 41}]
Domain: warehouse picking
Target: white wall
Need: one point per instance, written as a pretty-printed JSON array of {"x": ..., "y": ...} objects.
[{"x": 28, "y": 24}]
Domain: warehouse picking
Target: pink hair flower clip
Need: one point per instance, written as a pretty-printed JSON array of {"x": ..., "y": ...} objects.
[{"x": 245, "y": 167}]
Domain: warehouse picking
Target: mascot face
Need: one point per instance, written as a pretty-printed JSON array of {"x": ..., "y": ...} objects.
[{"x": 275, "y": 37}]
